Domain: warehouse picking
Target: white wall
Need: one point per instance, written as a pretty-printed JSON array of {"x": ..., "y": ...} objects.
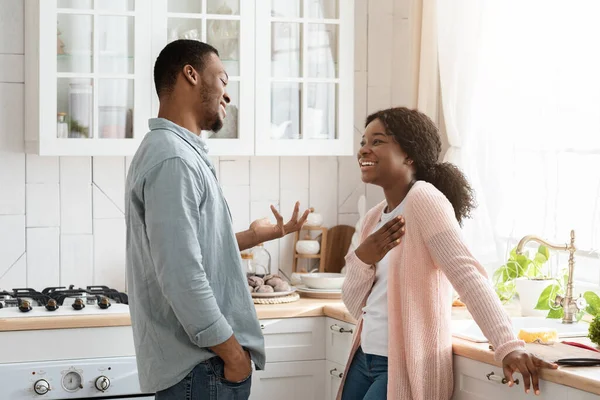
[{"x": 61, "y": 218}]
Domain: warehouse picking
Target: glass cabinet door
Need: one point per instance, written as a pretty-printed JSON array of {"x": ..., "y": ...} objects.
[
  {"x": 305, "y": 76},
  {"x": 228, "y": 25},
  {"x": 101, "y": 75}
]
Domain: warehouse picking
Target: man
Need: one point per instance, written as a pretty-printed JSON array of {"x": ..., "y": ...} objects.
[{"x": 194, "y": 323}]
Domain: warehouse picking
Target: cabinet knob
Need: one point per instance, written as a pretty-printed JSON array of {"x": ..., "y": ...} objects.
[
  {"x": 499, "y": 379},
  {"x": 339, "y": 329},
  {"x": 334, "y": 372}
]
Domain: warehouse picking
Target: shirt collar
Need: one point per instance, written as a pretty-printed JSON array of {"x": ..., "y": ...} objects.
[{"x": 162, "y": 123}]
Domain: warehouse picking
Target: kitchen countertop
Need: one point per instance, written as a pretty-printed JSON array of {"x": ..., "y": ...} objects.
[{"x": 583, "y": 378}]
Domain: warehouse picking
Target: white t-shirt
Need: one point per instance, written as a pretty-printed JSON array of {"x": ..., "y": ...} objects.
[{"x": 374, "y": 336}]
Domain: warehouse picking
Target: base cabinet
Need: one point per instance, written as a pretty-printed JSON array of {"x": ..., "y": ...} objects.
[
  {"x": 307, "y": 357},
  {"x": 299, "y": 380},
  {"x": 471, "y": 382},
  {"x": 334, "y": 374}
]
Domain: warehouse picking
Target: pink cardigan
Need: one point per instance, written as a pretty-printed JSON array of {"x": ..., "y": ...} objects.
[{"x": 423, "y": 268}]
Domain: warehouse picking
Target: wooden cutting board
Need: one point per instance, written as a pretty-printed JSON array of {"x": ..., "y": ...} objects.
[
  {"x": 560, "y": 350},
  {"x": 339, "y": 238}
]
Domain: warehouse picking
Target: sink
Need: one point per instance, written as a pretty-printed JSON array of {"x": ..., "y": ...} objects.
[{"x": 468, "y": 329}]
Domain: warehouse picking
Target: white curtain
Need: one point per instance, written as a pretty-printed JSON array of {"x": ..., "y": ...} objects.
[
  {"x": 520, "y": 87},
  {"x": 459, "y": 47},
  {"x": 424, "y": 57}
]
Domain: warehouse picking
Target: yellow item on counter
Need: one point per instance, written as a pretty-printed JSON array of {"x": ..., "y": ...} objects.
[{"x": 538, "y": 335}]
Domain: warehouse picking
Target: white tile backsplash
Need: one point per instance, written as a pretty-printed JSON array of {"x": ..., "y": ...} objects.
[
  {"x": 238, "y": 198},
  {"x": 12, "y": 183},
  {"x": 76, "y": 260},
  {"x": 43, "y": 205},
  {"x": 235, "y": 172},
  {"x": 12, "y": 250},
  {"x": 109, "y": 252},
  {"x": 43, "y": 257},
  {"x": 41, "y": 169},
  {"x": 74, "y": 206},
  {"x": 264, "y": 179}
]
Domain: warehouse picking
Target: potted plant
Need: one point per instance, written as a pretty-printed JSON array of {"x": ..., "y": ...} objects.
[{"x": 526, "y": 276}]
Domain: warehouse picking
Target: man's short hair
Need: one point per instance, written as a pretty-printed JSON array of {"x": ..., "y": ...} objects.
[{"x": 174, "y": 57}]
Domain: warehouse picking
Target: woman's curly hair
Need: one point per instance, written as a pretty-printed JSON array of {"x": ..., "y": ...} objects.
[{"x": 420, "y": 139}]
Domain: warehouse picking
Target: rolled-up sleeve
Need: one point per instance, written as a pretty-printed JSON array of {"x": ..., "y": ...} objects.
[{"x": 172, "y": 196}]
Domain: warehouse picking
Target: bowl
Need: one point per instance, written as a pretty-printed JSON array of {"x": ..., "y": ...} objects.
[
  {"x": 323, "y": 280},
  {"x": 313, "y": 220}
]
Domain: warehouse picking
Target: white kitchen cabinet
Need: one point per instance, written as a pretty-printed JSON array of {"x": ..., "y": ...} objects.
[
  {"x": 304, "y": 77},
  {"x": 299, "y": 380},
  {"x": 88, "y": 76},
  {"x": 471, "y": 383},
  {"x": 338, "y": 337},
  {"x": 291, "y": 95},
  {"x": 334, "y": 373},
  {"x": 294, "y": 339},
  {"x": 228, "y": 25}
]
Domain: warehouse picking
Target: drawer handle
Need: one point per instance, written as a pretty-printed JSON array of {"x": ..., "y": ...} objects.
[
  {"x": 262, "y": 327},
  {"x": 334, "y": 372},
  {"x": 337, "y": 328},
  {"x": 499, "y": 379}
]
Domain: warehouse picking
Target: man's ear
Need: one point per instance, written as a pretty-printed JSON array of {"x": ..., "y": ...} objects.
[{"x": 191, "y": 75}]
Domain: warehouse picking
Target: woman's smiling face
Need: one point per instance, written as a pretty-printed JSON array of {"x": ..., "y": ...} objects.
[{"x": 381, "y": 159}]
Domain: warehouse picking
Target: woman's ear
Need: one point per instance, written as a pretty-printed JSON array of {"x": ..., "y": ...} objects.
[{"x": 408, "y": 161}]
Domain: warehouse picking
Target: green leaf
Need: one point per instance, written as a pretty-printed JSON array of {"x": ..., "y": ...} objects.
[
  {"x": 500, "y": 275},
  {"x": 555, "y": 314},
  {"x": 513, "y": 270},
  {"x": 593, "y": 306},
  {"x": 579, "y": 315},
  {"x": 543, "y": 250},
  {"x": 524, "y": 263},
  {"x": 546, "y": 296}
]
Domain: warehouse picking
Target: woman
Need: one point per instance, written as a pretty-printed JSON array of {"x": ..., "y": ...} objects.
[{"x": 400, "y": 290}]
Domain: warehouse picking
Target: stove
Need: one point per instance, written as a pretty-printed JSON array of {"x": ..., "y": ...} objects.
[
  {"x": 60, "y": 301},
  {"x": 75, "y": 363}
]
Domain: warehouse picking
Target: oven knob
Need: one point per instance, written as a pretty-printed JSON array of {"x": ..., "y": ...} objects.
[
  {"x": 41, "y": 387},
  {"x": 102, "y": 383},
  {"x": 104, "y": 303},
  {"x": 78, "y": 304},
  {"x": 52, "y": 305},
  {"x": 25, "y": 306}
]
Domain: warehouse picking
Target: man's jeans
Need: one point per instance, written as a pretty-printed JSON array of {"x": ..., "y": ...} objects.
[{"x": 207, "y": 382}]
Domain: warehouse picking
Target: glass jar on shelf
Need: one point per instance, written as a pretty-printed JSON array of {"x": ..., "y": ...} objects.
[{"x": 62, "y": 127}]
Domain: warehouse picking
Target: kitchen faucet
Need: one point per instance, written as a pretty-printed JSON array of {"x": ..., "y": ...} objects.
[{"x": 569, "y": 305}]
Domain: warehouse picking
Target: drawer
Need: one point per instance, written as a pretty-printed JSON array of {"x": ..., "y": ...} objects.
[
  {"x": 338, "y": 337},
  {"x": 300, "y": 380},
  {"x": 294, "y": 339},
  {"x": 471, "y": 382},
  {"x": 334, "y": 373}
]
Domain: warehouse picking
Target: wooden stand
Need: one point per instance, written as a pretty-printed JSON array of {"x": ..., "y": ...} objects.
[{"x": 321, "y": 254}]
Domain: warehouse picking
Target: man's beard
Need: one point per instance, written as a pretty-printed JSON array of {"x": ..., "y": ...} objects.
[{"x": 217, "y": 125}]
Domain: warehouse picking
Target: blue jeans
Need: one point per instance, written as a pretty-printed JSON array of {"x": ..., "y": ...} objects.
[
  {"x": 207, "y": 382},
  {"x": 367, "y": 377}
]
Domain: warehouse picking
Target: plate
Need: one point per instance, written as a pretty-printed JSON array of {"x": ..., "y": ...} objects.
[
  {"x": 304, "y": 288},
  {"x": 319, "y": 293},
  {"x": 274, "y": 294}
]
